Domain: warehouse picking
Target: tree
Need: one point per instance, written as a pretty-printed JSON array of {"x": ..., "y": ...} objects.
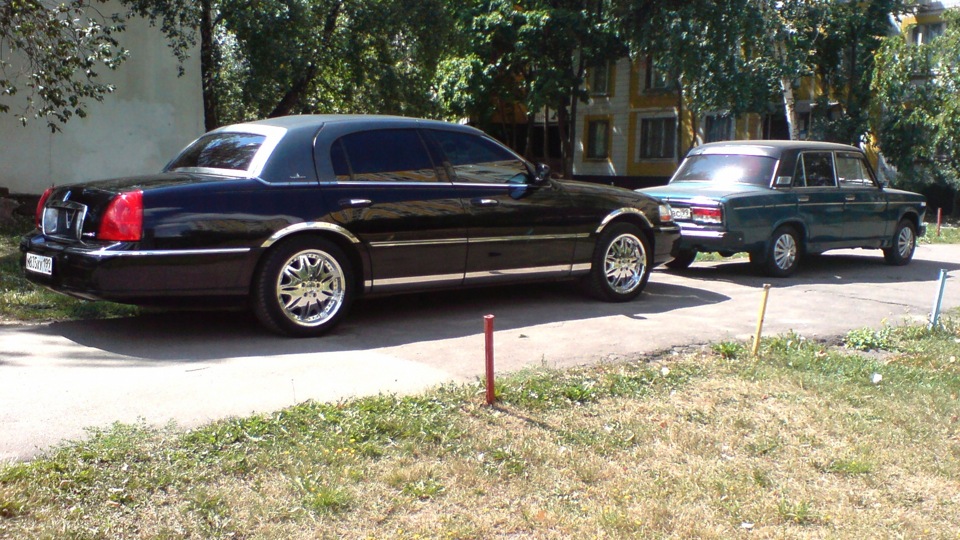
[{"x": 918, "y": 117}]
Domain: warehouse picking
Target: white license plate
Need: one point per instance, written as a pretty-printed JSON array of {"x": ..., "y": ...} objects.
[
  {"x": 680, "y": 213},
  {"x": 39, "y": 264}
]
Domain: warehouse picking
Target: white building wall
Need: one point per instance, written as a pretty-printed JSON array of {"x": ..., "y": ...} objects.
[
  {"x": 151, "y": 116},
  {"x": 618, "y": 108}
]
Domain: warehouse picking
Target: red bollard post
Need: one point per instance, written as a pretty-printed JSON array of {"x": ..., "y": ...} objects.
[
  {"x": 939, "y": 217},
  {"x": 488, "y": 333}
]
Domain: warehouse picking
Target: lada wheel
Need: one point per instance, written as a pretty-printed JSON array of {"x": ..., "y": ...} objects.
[
  {"x": 783, "y": 253},
  {"x": 683, "y": 259},
  {"x": 303, "y": 287},
  {"x": 621, "y": 264},
  {"x": 904, "y": 244}
]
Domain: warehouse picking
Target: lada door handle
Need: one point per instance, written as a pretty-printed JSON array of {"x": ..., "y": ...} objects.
[
  {"x": 803, "y": 198},
  {"x": 479, "y": 201},
  {"x": 355, "y": 203},
  {"x": 849, "y": 198}
]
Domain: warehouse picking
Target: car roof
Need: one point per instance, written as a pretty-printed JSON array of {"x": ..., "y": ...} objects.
[
  {"x": 771, "y": 148},
  {"x": 313, "y": 122}
]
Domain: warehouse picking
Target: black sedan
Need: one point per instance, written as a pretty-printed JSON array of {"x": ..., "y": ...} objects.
[{"x": 296, "y": 217}]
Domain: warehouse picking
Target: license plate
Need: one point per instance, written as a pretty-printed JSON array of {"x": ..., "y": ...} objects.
[
  {"x": 39, "y": 264},
  {"x": 680, "y": 213}
]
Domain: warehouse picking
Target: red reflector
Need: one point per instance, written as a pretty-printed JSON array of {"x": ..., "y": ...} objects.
[
  {"x": 43, "y": 200},
  {"x": 123, "y": 220}
]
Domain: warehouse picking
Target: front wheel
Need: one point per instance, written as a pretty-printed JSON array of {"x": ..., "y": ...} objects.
[
  {"x": 904, "y": 244},
  {"x": 782, "y": 257},
  {"x": 621, "y": 264},
  {"x": 303, "y": 288}
]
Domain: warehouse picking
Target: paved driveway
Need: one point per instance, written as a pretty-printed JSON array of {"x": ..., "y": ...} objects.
[{"x": 57, "y": 379}]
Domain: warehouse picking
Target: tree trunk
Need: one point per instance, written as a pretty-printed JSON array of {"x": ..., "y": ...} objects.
[
  {"x": 300, "y": 87},
  {"x": 209, "y": 67},
  {"x": 789, "y": 106}
]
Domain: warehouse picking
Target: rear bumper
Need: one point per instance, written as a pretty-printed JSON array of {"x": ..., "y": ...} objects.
[
  {"x": 706, "y": 240},
  {"x": 119, "y": 273}
]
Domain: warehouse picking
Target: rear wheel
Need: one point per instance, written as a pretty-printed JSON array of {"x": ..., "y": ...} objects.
[
  {"x": 684, "y": 259},
  {"x": 304, "y": 287},
  {"x": 782, "y": 256},
  {"x": 621, "y": 264},
  {"x": 904, "y": 244}
]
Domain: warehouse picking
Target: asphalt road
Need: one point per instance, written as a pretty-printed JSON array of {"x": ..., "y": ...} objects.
[{"x": 58, "y": 379}]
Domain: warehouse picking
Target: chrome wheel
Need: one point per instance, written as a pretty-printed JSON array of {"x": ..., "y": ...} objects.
[
  {"x": 904, "y": 244},
  {"x": 625, "y": 263},
  {"x": 310, "y": 288},
  {"x": 782, "y": 256}
]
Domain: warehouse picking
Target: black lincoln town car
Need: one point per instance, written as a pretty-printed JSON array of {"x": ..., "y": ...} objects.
[{"x": 296, "y": 217}]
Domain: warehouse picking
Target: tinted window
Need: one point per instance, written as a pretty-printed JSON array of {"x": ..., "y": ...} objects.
[
  {"x": 814, "y": 169},
  {"x": 233, "y": 151},
  {"x": 396, "y": 155},
  {"x": 852, "y": 171},
  {"x": 726, "y": 169},
  {"x": 478, "y": 159}
]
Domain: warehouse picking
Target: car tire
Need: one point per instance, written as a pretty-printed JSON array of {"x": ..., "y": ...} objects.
[
  {"x": 683, "y": 259},
  {"x": 304, "y": 287},
  {"x": 621, "y": 264},
  {"x": 782, "y": 257},
  {"x": 904, "y": 244}
]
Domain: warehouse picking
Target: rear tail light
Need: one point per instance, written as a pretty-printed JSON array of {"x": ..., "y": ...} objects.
[
  {"x": 123, "y": 220},
  {"x": 38, "y": 219},
  {"x": 709, "y": 215}
]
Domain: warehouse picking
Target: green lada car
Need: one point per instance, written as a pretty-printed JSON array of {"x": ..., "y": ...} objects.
[{"x": 781, "y": 200}]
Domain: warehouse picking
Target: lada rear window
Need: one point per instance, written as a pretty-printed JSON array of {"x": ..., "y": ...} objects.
[
  {"x": 229, "y": 151},
  {"x": 726, "y": 169}
]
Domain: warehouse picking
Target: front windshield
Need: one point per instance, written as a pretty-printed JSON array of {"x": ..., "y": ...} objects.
[
  {"x": 726, "y": 169},
  {"x": 230, "y": 151}
]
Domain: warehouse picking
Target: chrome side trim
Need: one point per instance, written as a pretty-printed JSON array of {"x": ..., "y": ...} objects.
[
  {"x": 411, "y": 243},
  {"x": 620, "y": 212},
  {"x": 554, "y": 269},
  {"x": 495, "y": 239},
  {"x": 416, "y": 280},
  {"x": 704, "y": 234},
  {"x": 309, "y": 226},
  {"x": 106, "y": 253},
  {"x": 581, "y": 267}
]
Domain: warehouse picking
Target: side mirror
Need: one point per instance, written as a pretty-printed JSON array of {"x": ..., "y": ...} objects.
[{"x": 543, "y": 173}]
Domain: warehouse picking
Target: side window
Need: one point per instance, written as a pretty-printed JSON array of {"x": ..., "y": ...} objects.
[
  {"x": 477, "y": 159},
  {"x": 815, "y": 169},
  {"x": 382, "y": 155},
  {"x": 852, "y": 171}
]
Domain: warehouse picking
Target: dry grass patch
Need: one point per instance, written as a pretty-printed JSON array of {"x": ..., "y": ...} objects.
[{"x": 800, "y": 443}]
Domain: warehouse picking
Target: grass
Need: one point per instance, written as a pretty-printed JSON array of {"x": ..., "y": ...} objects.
[{"x": 802, "y": 441}]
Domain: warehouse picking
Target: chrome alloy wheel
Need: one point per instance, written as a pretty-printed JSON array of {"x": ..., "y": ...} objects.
[
  {"x": 785, "y": 251},
  {"x": 310, "y": 288},
  {"x": 905, "y": 242},
  {"x": 625, "y": 263}
]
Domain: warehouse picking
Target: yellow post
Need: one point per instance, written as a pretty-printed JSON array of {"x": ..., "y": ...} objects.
[{"x": 763, "y": 311}]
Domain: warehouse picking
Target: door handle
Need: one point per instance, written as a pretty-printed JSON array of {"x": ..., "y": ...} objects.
[
  {"x": 479, "y": 201},
  {"x": 355, "y": 203},
  {"x": 849, "y": 198},
  {"x": 803, "y": 198}
]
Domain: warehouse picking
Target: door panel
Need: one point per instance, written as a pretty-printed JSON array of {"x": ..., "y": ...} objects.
[{"x": 864, "y": 202}]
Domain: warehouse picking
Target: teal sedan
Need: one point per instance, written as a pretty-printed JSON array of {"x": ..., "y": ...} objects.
[{"x": 781, "y": 200}]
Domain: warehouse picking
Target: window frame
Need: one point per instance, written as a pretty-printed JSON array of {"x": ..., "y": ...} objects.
[
  {"x": 639, "y": 154},
  {"x": 589, "y": 147}
]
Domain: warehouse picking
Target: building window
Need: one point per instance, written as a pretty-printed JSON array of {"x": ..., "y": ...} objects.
[
  {"x": 654, "y": 80},
  {"x": 923, "y": 34},
  {"x": 599, "y": 79},
  {"x": 658, "y": 138},
  {"x": 717, "y": 127},
  {"x": 598, "y": 139}
]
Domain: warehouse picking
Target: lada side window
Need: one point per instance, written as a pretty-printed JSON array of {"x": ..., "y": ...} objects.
[
  {"x": 383, "y": 155},
  {"x": 480, "y": 160},
  {"x": 815, "y": 169},
  {"x": 852, "y": 171}
]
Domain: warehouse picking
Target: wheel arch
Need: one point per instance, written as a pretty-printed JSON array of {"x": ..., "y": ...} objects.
[
  {"x": 634, "y": 216},
  {"x": 342, "y": 238}
]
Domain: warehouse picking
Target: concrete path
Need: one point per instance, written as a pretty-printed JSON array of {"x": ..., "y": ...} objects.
[{"x": 58, "y": 379}]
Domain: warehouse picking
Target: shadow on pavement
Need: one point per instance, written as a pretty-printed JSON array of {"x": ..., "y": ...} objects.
[{"x": 372, "y": 324}]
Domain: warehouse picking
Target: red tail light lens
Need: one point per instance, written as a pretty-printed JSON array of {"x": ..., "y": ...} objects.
[
  {"x": 713, "y": 216},
  {"x": 43, "y": 200},
  {"x": 123, "y": 220}
]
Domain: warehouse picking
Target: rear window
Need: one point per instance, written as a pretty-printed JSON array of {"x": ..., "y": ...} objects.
[
  {"x": 231, "y": 151},
  {"x": 726, "y": 169}
]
